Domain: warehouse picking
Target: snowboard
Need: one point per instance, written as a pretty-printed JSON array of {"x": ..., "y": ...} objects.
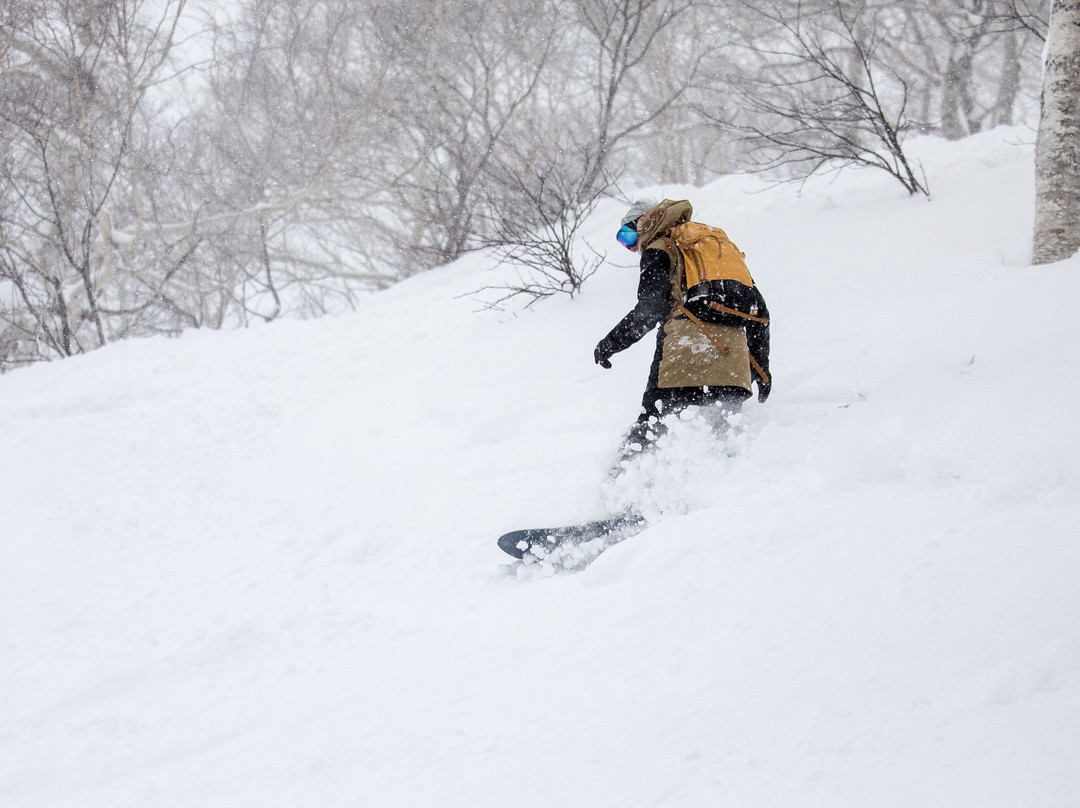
[{"x": 544, "y": 542}]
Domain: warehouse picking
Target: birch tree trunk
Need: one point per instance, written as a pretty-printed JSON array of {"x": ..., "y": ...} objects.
[{"x": 1057, "y": 150}]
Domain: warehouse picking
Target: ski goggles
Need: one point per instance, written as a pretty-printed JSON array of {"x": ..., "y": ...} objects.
[{"x": 627, "y": 236}]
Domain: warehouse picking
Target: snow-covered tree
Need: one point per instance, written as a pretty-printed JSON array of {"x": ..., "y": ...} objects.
[{"x": 1057, "y": 153}]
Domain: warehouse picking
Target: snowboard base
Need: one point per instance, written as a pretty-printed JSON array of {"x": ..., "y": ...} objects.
[{"x": 541, "y": 543}]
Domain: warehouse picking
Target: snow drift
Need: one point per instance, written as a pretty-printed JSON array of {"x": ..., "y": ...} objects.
[{"x": 259, "y": 568}]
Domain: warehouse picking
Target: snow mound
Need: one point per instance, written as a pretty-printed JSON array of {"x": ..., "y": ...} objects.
[{"x": 259, "y": 568}]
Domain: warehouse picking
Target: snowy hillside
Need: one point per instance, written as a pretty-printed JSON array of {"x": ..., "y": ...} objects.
[{"x": 259, "y": 568}]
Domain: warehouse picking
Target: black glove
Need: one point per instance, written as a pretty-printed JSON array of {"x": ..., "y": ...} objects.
[
  {"x": 763, "y": 388},
  {"x": 602, "y": 355}
]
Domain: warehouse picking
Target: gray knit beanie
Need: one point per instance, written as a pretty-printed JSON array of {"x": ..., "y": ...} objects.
[{"x": 638, "y": 209}]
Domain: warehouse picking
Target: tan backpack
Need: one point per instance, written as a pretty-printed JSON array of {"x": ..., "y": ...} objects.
[
  {"x": 710, "y": 274},
  {"x": 713, "y": 276}
]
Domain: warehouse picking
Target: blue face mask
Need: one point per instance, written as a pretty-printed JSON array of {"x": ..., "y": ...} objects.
[{"x": 627, "y": 236}]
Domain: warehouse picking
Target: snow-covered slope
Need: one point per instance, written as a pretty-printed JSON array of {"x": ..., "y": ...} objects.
[{"x": 258, "y": 568}]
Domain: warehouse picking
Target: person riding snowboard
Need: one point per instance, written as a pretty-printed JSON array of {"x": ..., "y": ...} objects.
[{"x": 714, "y": 341}]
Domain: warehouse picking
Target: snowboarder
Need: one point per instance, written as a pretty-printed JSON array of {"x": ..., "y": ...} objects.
[{"x": 709, "y": 350}]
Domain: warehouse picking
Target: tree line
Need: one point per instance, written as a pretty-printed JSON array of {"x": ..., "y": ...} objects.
[{"x": 170, "y": 165}]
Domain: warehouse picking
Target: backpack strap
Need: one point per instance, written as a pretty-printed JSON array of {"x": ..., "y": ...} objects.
[
  {"x": 758, "y": 368},
  {"x": 725, "y": 310},
  {"x": 721, "y": 347}
]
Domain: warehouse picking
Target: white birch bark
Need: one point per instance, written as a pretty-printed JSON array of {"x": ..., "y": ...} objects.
[{"x": 1057, "y": 151}]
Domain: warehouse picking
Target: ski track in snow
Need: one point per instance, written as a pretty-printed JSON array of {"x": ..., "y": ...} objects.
[{"x": 259, "y": 568}]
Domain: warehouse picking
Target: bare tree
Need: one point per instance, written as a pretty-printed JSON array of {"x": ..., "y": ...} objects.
[
  {"x": 1031, "y": 16},
  {"x": 616, "y": 76},
  {"x": 329, "y": 147},
  {"x": 293, "y": 159},
  {"x": 1057, "y": 151},
  {"x": 469, "y": 79},
  {"x": 541, "y": 201},
  {"x": 970, "y": 59},
  {"x": 77, "y": 85},
  {"x": 822, "y": 96},
  {"x": 618, "y": 45}
]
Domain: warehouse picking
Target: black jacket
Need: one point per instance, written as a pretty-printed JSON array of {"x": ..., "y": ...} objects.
[{"x": 654, "y": 304}]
